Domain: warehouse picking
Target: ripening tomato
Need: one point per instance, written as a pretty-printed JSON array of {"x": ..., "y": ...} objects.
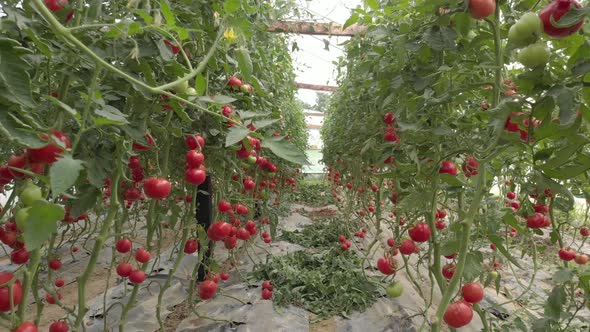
[
  {"x": 458, "y": 314},
  {"x": 17, "y": 291},
  {"x": 480, "y": 9},
  {"x": 49, "y": 153},
  {"x": 555, "y": 11},
  {"x": 157, "y": 188}
]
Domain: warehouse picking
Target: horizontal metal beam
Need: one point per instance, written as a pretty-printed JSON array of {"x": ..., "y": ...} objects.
[
  {"x": 314, "y": 28},
  {"x": 316, "y": 87}
]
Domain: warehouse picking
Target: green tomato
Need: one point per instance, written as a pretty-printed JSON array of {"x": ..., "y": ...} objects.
[
  {"x": 525, "y": 30},
  {"x": 21, "y": 218},
  {"x": 494, "y": 275},
  {"x": 534, "y": 55},
  {"x": 191, "y": 92},
  {"x": 182, "y": 87},
  {"x": 395, "y": 289},
  {"x": 30, "y": 194},
  {"x": 530, "y": 23},
  {"x": 251, "y": 160}
]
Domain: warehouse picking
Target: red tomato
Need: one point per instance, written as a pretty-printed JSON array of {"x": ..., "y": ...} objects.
[
  {"x": 557, "y": 9},
  {"x": 408, "y": 247},
  {"x": 137, "y": 276},
  {"x": 26, "y": 327},
  {"x": 124, "y": 269},
  {"x": 385, "y": 265},
  {"x": 458, "y": 314},
  {"x": 448, "y": 167},
  {"x": 17, "y": 292},
  {"x": 142, "y": 255},
  {"x": 123, "y": 245},
  {"x": 191, "y": 246},
  {"x": 20, "y": 256},
  {"x": 55, "y": 264},
  {"x": 472, "y": 292},
  {"x": 157, "y": 188},
  {"x": 420, "y": 232},
  {"x": 207, "y": 289},
  {"x": 480, "y": 9},
  {"x": 58, "y": 327},
  {"x": 196, "y": 176},
  {"x": 49, "y": 153}
]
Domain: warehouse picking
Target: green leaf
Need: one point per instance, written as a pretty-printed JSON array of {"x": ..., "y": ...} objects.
[
  {"x": 63, "y": 174},
  {"x": 351, "y": 20},
  {"x": 167, "y": 12},
  {"x": 440, "y": 38},
  {"x": 285, "y": 150},
  {"x": 248, "y": 115},
  {"x": 15, "y": 82},
  {"x": 200, "y": 84},
  {"x": 450, "y": 247},
  {"x": 86, "y": 198},
  {"x": 231, "y": 6},
  {"x": 498, "y": 242},
  {"x": 110, "y": 116},
  {"x": 510, "y": 220},
  {"x": 555, "y": 302},
  {"x": 565, "y": 98},
  {"x": 244, "y": 62},
  {"x": 264, "y": 123},
  {"x": 12, "y": 129},
  {"x": 41, "y": 223},
  {"x": 473, "y": 265},
  {"x": 581, "y": 68},
  {"x": 451, "y": 180},
  {"x": 573, "y": 17},
  {"x": 75, "y": 115},
  {"x": 220, "y": 99},
  {"x": 236, "y": 135},
  {"x": 563, "y": 275},
  {"x": 373, "y": 4}
]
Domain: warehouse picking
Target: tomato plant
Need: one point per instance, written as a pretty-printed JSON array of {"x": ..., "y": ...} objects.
[
  {"x": 435, "y": 85},
  {"x": 115, "y": 110}
]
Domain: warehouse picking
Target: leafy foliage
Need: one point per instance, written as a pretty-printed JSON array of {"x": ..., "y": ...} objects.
[{"x": 326, "y": 283}]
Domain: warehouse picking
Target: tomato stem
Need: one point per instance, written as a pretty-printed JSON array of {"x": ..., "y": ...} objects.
[{"x": 98, "y": 244}]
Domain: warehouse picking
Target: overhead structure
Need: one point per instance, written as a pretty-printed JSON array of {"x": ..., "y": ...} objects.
[
  {"x": 316, "y": 87},
  {"x": 315, "y": 28}
]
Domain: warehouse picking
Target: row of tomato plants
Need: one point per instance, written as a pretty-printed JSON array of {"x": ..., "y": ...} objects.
[
  {"x": 115, "y": 116},
  {"x": 482, "y": 84}
]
